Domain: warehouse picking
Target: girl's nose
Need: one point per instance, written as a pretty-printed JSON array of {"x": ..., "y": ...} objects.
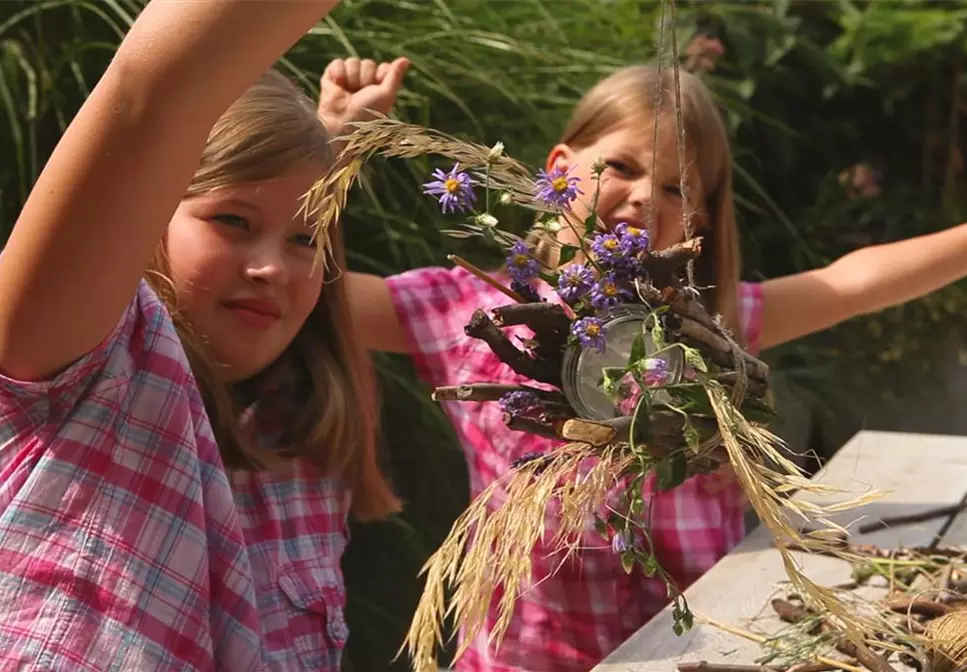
[
  {"x": 641, "y": 193},
  {"x": 266, "y": 265}
]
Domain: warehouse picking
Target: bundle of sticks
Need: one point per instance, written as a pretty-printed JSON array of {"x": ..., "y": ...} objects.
[{"x": 684, "y": 320}]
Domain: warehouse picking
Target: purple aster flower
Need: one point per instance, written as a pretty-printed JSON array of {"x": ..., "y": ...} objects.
[
  {"x": 520, "y": 264},
  {"x": 574, "y": 282},
  {"x": 656, "y": 372},
  {"x": 519, "y": 402},
  {"x": 620, "y": 543},
  {"x": 556, "y": 187},
  {"x": 606, "y": 292},
  {"x": 590, "y": 333},
  {"x": 454, "y": 189},
  {"x": 526, "y": 290},
  {"x": 626, "y": 540},
  {"x": 632, "y": 239},
  {"x": 607, "y": 249}
]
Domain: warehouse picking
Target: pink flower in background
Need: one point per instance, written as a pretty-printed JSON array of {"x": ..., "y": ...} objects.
[
  {"x": 860, "y": 181},
  {"x": 702, "y": 52}
]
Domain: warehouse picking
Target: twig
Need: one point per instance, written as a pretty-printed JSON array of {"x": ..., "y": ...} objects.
[
  {"x": 720, "y": 350},
  {"x": 492, "y": 392},
  {"x": 482, "y": 327},
  {"x": 467, "y": 266},
  {"x": 584, "y": 431},
  {"x": 531, "y": 426},
  {"x": 811, "y": 667},
  {"x": 703, "y": 666},
  {"x": 756, "y": 388},
  {"x": 918, "y": 605},
  {"x": 793, "y": 614},
  {"x": 832, "y": 662},
  {"x": 910, "y": 518},
  {"x": 662, "y": 267},
  {"x": 549, "y": 316}
]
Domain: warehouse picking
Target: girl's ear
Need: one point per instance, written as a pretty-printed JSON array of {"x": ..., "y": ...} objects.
[{"x": 562, "y": 156}]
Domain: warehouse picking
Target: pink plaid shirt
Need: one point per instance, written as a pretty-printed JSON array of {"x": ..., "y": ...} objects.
[
  {"x": 124, "y": 544},
  {"x": 573, "y": 619}
]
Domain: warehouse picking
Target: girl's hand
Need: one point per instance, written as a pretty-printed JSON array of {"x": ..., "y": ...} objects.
[{"x": 349, "y": 88}]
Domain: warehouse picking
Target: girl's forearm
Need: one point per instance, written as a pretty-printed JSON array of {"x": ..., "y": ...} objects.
[
  {"x": 118, "y": 173},
  {"x": 894, "y": 273}
]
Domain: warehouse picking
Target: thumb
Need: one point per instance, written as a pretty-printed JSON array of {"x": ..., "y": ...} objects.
[{"x": 393, "y": 79}]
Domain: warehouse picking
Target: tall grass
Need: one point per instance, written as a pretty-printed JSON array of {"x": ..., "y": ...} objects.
[{"x": 808, "y": 89}]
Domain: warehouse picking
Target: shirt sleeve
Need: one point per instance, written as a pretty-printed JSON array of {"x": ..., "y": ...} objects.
[
  {"x": 750, "y": 314},
  {"x": 433, "y": 305},
  {"x": 65, "y": 387}
]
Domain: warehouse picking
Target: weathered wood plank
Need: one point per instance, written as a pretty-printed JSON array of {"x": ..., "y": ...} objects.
[{"x": 923, "y": 472}]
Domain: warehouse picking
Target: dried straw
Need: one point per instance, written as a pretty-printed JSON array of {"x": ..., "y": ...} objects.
[{"x": 487, "y": 550}]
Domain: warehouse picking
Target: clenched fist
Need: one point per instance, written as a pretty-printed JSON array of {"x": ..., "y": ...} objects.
[{"x": 350, "y": 87}]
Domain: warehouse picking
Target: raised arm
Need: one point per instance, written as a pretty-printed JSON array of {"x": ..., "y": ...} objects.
[
  {"x": 864, "y": 281},
  {"x": 102, "y": 202}
]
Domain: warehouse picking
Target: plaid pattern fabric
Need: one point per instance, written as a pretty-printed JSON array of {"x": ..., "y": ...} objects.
[
  {"x": 124, "y": 545},
  {"x": 573, "y": 619}
]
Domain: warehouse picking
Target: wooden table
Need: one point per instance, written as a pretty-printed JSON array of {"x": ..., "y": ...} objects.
[{"x": 923, "y": 472}]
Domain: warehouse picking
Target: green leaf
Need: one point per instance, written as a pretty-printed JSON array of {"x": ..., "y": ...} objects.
[
  {"x": 649, "y": 565},
  {"x": 637, "y": 350},
  {"x": 672, "y": 470},
  {"x": 692, "y": 399},
  {"x": 688, "y": 619},
  {"x": 568, "y": 252},
  {"x": 636, "y": 504},
  {"x": 628, "y": 560},
  {"x": 600, "y": 526},
  {"x": 694, "y": 359},
  {"x": 590, "y": 223},
  {"x": 610, "y": 376},
  {"x": 549, "y": 278},
  {"x": 488, "y": 235},
  {"x": 756, "y": 410},
  {"x": 691, "y": 434},
  {"x": 641, "y": 420},
  {"x": 658, "y": 334},
  {"x": 677, "y": 629}
]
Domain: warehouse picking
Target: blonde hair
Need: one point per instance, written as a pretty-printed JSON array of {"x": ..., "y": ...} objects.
[
  {"x": 268, "y": 131},
  {"x": 629, "y": 94}
]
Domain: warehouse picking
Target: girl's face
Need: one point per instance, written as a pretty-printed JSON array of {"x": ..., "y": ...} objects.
[
  {"x": 241, "y": 260},
  {"x": 630, "y": 191}
]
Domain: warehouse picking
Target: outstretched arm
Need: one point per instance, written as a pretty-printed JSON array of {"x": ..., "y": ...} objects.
[
  {"x": 102, "y": 202},
  {"x": 864, "y": 281}
]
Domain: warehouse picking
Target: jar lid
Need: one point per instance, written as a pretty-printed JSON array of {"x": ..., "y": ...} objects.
[{"x": 583, "y": 368}]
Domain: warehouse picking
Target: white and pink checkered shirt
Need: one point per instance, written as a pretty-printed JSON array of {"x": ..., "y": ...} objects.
[
  {"x": 572, "y": 614},
  {"x": 124, "y": 545}
]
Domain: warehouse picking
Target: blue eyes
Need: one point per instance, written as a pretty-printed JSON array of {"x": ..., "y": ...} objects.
[
  {"x": 239, "y": 222},
  {"x": 303, "y": 239},
  {"x": 232, "y": 220},
  {"x": 628, "y": 171}
]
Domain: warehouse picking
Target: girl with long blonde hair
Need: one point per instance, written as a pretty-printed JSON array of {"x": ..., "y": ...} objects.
[
  {"x": 187, "y": 417},
  {"x": 576, "y": 610}
]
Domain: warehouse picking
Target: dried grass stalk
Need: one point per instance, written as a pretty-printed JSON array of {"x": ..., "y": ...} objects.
[{"x": 484, "y": 551}]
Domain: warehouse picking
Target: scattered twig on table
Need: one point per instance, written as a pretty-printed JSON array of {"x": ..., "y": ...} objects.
[
  {"x": 745, "y": 634},
  {"x": 911, "y": 518},
  {"x": 703, "y": 666},
  {"x": 792, "y": 613},
  {"x": 918, "y": 605}
]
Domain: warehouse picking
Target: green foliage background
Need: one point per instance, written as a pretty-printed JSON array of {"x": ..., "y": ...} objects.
[{"x": 809, "y": 89}]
